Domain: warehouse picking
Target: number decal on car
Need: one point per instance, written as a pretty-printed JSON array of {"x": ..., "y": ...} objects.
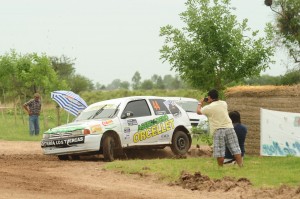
[{"x": 155, "y": 105}]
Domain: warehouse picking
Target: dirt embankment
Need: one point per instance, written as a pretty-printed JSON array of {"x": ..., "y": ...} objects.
[{"x": 26, "y": 173}]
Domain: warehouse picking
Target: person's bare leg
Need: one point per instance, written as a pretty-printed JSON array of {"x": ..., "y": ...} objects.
[
  {"x": 238, "y": 159},
  {"x": 220, "y": 161}
]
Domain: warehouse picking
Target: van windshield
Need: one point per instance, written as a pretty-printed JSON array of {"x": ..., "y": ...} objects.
[{"x": 188, "y": 106}]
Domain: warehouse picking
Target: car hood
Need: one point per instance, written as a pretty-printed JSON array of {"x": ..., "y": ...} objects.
[
  {"x": 92, "y": 125},
  {"x": 194, "y": 115}
]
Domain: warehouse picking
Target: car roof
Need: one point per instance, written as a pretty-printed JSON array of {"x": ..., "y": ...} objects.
[
  {"x": 181, "y": 99},
  {"x": 126, "y": 99}
]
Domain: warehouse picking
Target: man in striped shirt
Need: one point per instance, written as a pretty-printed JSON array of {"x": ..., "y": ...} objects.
[{"x": 33, "y": 108}]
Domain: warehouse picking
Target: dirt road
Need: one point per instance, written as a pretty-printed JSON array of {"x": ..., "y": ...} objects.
[{"x": 26, "y": 173}]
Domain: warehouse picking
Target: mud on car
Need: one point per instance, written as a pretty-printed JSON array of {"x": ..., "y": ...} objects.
[{"x": 110, "y": 126}]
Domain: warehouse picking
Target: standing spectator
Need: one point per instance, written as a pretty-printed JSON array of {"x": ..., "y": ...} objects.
[
  {"x": 33, "y": 108},
  {"x": 241, "y": 132},
  {"x": 220, "y": 126}
]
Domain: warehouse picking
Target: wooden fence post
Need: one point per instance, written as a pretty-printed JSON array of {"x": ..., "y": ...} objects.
[{"x": 58, "y": 115}]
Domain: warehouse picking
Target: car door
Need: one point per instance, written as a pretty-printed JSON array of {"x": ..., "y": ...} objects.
[
  {"x": 135, "y": 114},
  {"x": 163, "y": 125}
]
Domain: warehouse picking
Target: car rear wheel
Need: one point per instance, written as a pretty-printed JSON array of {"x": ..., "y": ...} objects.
[
  {"x": 180, "y": 143},
  {"x": 109, "y": 148}
]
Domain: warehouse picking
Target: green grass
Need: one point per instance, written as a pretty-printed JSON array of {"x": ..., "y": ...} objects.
[
  {"x": 15, "y": 126},
  {"x": 261, "y": 171}
]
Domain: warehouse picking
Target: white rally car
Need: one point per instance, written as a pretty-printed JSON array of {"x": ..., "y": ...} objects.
[{"x": 110, "y": 126}]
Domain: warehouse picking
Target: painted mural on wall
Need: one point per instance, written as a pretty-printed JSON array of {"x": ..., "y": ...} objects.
[{"x": 280, "y": 133}]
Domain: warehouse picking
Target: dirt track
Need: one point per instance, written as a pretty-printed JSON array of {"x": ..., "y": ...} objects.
[{"x": 26, "y": 173}]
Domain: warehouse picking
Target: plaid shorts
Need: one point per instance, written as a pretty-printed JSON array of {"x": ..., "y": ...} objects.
[{"x": 225, "y": 137}]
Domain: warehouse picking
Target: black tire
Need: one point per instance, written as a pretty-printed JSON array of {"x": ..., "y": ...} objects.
[
  {"x": 63, "y": 157},
  {"x": 75, "y": 157},
  {"x": 109, "y": 148},
  {"x": 180, "y": 143}
]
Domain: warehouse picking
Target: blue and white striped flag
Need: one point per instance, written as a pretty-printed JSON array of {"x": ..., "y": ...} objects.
[{"x": 69, "y": 101}]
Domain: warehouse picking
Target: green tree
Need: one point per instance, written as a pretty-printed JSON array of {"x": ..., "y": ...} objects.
[
  {"x": 147, "y": 85},
  {"x": 171, "y": 82},
  {"x": 13, "y": 70},
  {"x": 136, "y": 80},
  {"x": 63, "y": 66},
  {"x": 124, "y": 85},
  {"x": 263, "y": 80},
  {"x": 291, "y": 77},
  {"x": 118, "y": 84},
  {"x": 168, "y": 81},
  {"x": 287, "y": 25},
  {"x": 114, "y": 85},
  {"x": 157, "y": 81},
  {"x": 26, "y": 74},
  {"x": 99, "y": 86},
  {"x": 81, "y": 83},
  {"x": 213, "y": 48}
]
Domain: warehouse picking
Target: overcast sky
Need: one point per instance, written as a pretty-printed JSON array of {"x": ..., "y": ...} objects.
[{"x": 110, "y": 39}]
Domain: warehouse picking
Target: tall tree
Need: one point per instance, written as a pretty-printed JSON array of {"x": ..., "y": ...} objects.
[
  {"x": 99, "y": 86},
  {"x": 213, "y": 48},
  {"x": 147, "y": 84},
  {"x": 157, "y": 81},
  {"x": 124, "y": 85},
  {"x": 168, "y": 81},
  {"x": 287, "y": 25},
  {"x": 114, "y": 85},
  {"x": 26, "y": 74},
  {"x": 63, "y": 66},
  {"x": 81, "y": 83},
  {"x": 136, "y": 80},
  {"x": 291, "y": 77}
]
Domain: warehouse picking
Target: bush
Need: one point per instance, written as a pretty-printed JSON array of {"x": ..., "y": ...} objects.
[{"x": 203, "y": 135}]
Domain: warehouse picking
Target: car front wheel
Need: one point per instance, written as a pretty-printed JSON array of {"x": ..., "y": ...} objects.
[
  {"x": 109, "y": 148},
  {"x": 63, "y": 157}
]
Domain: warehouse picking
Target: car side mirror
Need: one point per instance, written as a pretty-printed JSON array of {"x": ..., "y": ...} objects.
[{"x": 127, "y": 114}]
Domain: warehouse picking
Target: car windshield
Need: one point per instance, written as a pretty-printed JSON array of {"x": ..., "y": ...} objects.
[
  {"x": 99, "y": 112},
  {"x": 188, "y": 106}
]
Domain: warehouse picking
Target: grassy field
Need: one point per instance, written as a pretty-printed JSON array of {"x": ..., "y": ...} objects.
[
  {"x": 262, "y": 171},
  {"x": 15, "y": 126}
]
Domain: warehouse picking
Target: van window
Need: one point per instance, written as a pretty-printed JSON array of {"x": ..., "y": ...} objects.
[{"x": 188, "y": 106}]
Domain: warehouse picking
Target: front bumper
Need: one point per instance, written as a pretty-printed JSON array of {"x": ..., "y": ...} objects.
[{"x": 91, "y": 144}]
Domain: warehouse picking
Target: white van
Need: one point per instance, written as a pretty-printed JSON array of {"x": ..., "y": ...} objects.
[{"x": 190, "y": 106}]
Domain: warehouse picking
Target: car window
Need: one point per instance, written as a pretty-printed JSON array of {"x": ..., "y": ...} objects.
[
  {"x": 139, "y": 108},
  {"x": 159, "y": 106}
]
